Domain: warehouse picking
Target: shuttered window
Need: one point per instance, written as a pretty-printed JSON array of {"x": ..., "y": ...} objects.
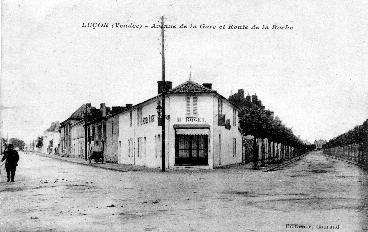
[
  {"x": 195, "y": 101},
  {"x": 191, "y": 105},
  {"x": 188, "y": 105}
]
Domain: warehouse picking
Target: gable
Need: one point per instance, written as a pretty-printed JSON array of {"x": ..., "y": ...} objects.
[{"x": 191, "y": 87}]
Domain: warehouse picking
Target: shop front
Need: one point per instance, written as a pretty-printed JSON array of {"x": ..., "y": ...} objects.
[{"x": 191, "y": 144}]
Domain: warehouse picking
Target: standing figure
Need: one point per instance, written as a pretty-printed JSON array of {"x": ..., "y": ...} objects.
[{"x": 11, "y": 156}]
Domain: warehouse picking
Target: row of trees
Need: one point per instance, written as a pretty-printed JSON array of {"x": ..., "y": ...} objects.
[
  {"x": 18, "y": 143},
  {"x": 261, "y": 123},
  {"x": 358, "y": 135}
]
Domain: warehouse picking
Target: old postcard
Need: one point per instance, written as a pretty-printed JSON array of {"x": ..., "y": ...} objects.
[{"x": 184, "y": 115}]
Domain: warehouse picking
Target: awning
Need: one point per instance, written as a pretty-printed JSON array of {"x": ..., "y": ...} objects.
[
  {"x": 191, "y": 126},
  {"x": 191, "y": 131}
]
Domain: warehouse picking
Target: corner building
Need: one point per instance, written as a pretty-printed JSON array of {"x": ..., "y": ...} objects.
[{"x": 201, "y": 130}]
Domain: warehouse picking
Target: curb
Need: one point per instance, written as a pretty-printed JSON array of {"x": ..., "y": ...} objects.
[
  {"x": 91, "y": 165},
  {"x": 278, "y": 166},
  {"x": 347, "y": 161}
]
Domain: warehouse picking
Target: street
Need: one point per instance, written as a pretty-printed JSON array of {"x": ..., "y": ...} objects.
[{"x": 319, "y": 193}]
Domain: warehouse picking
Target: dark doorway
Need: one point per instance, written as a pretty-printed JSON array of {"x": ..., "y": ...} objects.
[{"x": 191, "y": 150}]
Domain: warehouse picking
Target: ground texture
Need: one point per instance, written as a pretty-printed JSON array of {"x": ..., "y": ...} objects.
[{"x": 317, "y": 192}]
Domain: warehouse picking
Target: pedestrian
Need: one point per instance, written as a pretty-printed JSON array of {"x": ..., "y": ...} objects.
[{"x": 11, "y": 158}]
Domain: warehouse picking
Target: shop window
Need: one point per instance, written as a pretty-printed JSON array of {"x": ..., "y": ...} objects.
[{"x": 191, "y": 150}]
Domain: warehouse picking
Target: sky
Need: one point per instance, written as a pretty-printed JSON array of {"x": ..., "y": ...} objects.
[{"x": 313, "y": 76}]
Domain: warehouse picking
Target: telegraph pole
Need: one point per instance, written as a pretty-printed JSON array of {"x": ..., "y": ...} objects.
[
  {"x": 163, "y": 93},
  {"x": 85, "y": 133}
]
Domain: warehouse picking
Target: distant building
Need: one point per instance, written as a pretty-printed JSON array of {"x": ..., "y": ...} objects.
[
  {"x": 51, "y": 139},
  {"x": 72, "y": 133},
  {"x": 319, "y": 143},
  {"x": 95, "y": 123}
]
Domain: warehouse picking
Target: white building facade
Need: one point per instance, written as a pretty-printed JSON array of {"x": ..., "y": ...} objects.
[
  {"x": 201, "y": 130},
  {"x": 51, "y": 139}
]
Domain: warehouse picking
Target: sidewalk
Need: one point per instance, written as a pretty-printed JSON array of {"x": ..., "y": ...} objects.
[
  {"x": 108, "y": 166},
  {"x": 347, "y": 161},
  {"x": 133, "y": 168},
  {"x": 275, "y": 167}
]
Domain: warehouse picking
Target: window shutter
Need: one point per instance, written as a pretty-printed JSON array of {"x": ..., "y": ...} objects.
[
  {"x": 195, "y": 101},
  {"x": 188, "y": 105}
]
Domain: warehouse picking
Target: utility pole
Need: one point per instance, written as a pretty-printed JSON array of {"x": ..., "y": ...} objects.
[
  {"x": 163, "y": 93},
  {"x": 85, "y": 134}
]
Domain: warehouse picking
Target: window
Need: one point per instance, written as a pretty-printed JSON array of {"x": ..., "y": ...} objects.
[
  {"x": 234, "y": 117},
  {"x": 139, "y": 116},
  {"x": 144, "y": 147},
  {"x": 234, "y": 147},
  {"x": 195, "y": 100},
  {"x": 158, "y": 145},
  {"x": 112, "y": 129},
  {"x": 139, "y": 152},
  {"x": 219, "y": 106},
  {"x": 131, "y": 117},
  {"x": 188, "y": 105},
  {"x": 130, "y": 147},
  {"x": 191, "y": 105}
]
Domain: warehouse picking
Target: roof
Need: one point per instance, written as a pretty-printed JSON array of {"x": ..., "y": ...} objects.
[
  {"x": 188, "y": 87},
  {"x": 78, "y": 114},
  {"x": 191, "y": 87},
  {"x": 54, "y": 127}
]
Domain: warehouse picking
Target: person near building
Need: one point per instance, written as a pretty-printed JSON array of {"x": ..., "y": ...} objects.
[{"x": 11, "y": 158}]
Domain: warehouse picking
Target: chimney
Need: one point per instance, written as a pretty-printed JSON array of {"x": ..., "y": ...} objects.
[
  {"x": 241, "y": 93},
  {"x": 207, "y": 85},
  {"x": 116, "y": 109},
  {"x": 254, "y": 99},
  {"x": 160, "y": 85},
  {"x": 88, "y": 107},
  {"x": 247, "y": 98},
  {"x": 103, "y": 109},
  {"x": 168, "y": 85}
]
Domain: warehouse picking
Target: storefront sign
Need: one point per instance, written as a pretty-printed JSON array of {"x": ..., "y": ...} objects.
[
  {"x": 148, "y": 119},
  {"x": 190, "y": 120}
]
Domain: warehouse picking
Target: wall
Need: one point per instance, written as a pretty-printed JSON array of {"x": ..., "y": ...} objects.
[
  {"x": 77, "y": 140},
  {"x": 176, "y": 109},
  {"x": 223, "y": 153},
  {"x": 146, "y": 131},
  {"x": 112, "y": 137}
]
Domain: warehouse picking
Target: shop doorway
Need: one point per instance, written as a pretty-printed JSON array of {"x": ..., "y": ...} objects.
[{"x": 191, "y": 150}]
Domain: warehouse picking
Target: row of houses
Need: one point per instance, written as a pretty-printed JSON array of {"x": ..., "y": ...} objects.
[{"x": 201, "y": 129}]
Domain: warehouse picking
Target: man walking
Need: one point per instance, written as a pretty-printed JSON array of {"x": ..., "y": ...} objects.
[{"x": 11, "y": 156}]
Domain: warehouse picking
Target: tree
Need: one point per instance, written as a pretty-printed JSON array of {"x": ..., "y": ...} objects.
[
  {"x": 39, "y": 143},
  {"x": 257, "y": 121},
  {"x": 17, "y": 143}
]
